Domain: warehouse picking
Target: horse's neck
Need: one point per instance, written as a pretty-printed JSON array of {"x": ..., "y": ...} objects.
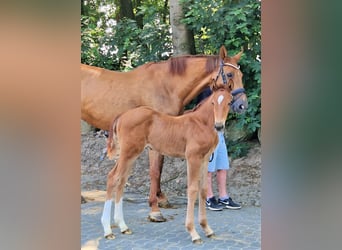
[
  {"x": 186, "y": 86},
  {"x": 194, "y": 88}
]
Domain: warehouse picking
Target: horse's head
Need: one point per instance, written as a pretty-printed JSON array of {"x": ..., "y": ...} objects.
[
  {"x": 229, "y": 76},
  {"x": 221, "y": 99}
]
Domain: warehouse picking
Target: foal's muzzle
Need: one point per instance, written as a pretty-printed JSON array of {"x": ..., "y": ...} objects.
[{"x": 219, "y": 126}]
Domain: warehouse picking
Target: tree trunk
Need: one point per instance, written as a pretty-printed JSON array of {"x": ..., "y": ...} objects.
[
  {"x": 82, "y": 7},
  {"x": 126, "y": 9},
  {"x": 165, "y": 11},
  {"x": 138, "y": 18},
  {"x": 182, "y": 38}
]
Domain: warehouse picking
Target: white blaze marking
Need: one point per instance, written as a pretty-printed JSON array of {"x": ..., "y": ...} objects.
[{"x": 220, "y": 99}]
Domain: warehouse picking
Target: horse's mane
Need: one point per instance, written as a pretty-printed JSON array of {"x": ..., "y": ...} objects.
[{"x": 178, "y": 64}]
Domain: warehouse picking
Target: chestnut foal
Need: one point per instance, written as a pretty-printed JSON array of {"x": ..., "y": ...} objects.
[{"x": 192, "y": 136}]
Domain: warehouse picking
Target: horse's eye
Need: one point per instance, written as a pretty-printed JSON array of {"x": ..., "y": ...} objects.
[{"x": 230, "y": 75}]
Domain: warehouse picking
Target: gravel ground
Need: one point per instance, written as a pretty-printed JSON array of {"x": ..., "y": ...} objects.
[{"x": 243, "y": 185}]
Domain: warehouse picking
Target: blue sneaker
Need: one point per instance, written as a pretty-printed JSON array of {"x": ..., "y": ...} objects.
[
  {"x": 229, "y": 203},
  {"x": 213, "y": 205}
]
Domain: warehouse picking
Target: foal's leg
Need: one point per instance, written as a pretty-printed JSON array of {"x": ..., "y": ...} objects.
[
  {"x": 118, "y": 212},
  {"x": 156, "y": 196},
  {"x": 116, "y": 180},
  {"x": 202, "y": 214},
  {"x": 105, "y": 218},
  {"x": 193, "y": 170}
]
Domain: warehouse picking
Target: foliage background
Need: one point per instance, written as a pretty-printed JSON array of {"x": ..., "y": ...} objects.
[{"x": 114, "y": 42}]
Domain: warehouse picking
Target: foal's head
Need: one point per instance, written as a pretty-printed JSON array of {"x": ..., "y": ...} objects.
[
  {"x": 229, "y": 76},
  {"x": 221, "y": 99}
]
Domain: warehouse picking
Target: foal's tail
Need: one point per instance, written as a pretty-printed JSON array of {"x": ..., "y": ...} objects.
[{"x": 113, "y": 147}]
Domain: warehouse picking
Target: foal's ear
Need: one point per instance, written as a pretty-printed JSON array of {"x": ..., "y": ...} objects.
[
  {"x": 223, "y": 52},
  {"x": 212, "y": 85}
]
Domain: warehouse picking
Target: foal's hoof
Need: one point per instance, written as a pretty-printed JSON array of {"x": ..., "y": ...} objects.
[
  {"x": 110, "y": 237},
  {"x": 212, "y": 236},
  {"x": 127, "y": 231},
  {"x": 156, "y": 217},
  {"x": 197, "y": 241}
]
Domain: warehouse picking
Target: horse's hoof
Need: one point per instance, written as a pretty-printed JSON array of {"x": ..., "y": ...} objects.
[
  {"x": 83, "y": 200},
  {"x": 110, "y": 237},
  {"x": 127, "y": 231},
  {"x": 164, "y": 204},
  {"x": 197, "y": 241},
  {"x": 156, "y": 217}
]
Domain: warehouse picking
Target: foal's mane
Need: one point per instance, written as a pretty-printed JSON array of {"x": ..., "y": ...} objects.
[
  {"x": 203, "y": 101},
  {"x": 178, "y": 65},
  {"x": 198, "y": 105}
]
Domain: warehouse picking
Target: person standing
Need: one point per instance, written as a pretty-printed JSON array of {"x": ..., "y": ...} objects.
[{"x": 218, "y": 163}]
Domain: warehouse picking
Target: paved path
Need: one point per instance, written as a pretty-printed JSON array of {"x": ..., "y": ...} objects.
[{"x": 239, "y": 229}]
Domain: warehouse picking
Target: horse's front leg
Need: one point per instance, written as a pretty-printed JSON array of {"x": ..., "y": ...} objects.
[
  {"x": 202, "y": 214},
  {"x": 156, "y": 196},
  {"x": 156, "y": 161}
]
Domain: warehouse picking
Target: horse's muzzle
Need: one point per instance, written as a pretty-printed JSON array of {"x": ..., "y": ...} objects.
[
  {"x": 219, "y": 126},
  {"x": 239, "y": 106}
]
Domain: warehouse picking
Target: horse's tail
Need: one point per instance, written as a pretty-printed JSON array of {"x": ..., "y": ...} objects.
[{"x": 113, "y": 147}]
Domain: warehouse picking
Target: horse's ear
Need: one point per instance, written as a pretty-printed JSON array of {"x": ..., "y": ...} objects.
[
  {"x": 223, "y": 52},
  {"x": 238, "y": 55}
]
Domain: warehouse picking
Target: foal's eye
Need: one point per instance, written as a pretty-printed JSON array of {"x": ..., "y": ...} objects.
[{"x": 230, "y": 75}]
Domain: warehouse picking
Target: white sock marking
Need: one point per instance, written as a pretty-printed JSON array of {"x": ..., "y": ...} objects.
[
  {"x": 105, "y": 219},
  {"x": 118, "y": 216}
]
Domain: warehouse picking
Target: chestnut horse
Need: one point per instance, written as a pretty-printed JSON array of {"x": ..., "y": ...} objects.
[
  {"x": 191, "y": 136},
  {"x": 164, "y": 86}
]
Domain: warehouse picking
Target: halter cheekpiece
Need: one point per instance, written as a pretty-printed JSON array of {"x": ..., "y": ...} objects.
[{"x": 224, "y": 77}]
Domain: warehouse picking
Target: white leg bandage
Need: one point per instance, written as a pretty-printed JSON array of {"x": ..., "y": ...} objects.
[
  {"x": 105, "y": 219},
  {"x": 118, "y": 216}
]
